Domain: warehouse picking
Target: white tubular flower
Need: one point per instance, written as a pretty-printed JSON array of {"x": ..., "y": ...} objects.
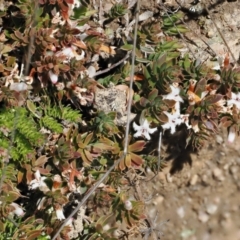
[
  {"x": 231, "y": 135},
  {"x": 128, "y": 205},
  {"x": 38, "y": 182},
  {"x": 59, "y": 213},
  {"x": 53, "y": 77},
  {"x": 143, "y": 130},
  {"x": 17, "y": 210},
  {"x": 235, "y": 99},
  {"x": 174, "y": 94},
  {"x": 173, "y": 121}
]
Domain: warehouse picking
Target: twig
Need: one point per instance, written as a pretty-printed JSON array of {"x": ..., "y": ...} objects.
[
  {"x": 159, "y": 150},
  {"x": 126, "y": 136},
  {"x": 112, "y": 66}
]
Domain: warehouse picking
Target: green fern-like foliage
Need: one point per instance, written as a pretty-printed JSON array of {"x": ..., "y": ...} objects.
[
  {"x": 19, "y": 132},
  {"x": 55, "y": 115}
]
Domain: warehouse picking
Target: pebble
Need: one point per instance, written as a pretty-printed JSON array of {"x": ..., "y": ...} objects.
[
  {"x": 219, "y": 139},
  {"x": 211, "y": 208},
  {"x": 194, "y": 179},
  {"x": 158, "y": 200},
  {"x": 233, "y": 170},
  {"x": 181, "y": 212},
  {"x": 203, "y": 217},
  {"x": 218, "y": 174},
  {"x": 210, "y": 34}
]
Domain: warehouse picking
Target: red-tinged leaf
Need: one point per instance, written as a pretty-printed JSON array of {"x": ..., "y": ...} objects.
[
  {"x": 42, "y": 171},
  {"x": 136, "y": 77},
  {"x": 86, "y": 157},
  {"x": 143, "y": 101},
  {"x": 100, "y": 147},
  {"x": 212, "y": 99},
  {"x": 128, "y": 161},
  {"x": 64, "y": 67},
  {"x": 41, "y": 161},
  {"x": 12, "y": 196},
  {"x": 226, "y": 61},
  {"x": 18, "y": 34},
  {"x": 88, "y": 138},
  {"x": 136, "y": 160},
  {"x": 121, "y": 165},
  {"x": 34, "y": 234},
  {"x": 20, "y": 176},
  {"x": 137, "y": 146}
]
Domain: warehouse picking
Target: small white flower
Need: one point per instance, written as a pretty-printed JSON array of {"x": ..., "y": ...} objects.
[
  {"x": 53, "y": 77},
  {"x": 17, "y": 210},
  {"x": 38, "y": 182},
  {"x": 128, "y": 205},
  {"x": 143, "y": 130},
  {"x": 60, "y": 215},
  {"x": 173, "y": 121},
  {"x": 235, "y": 99},
  {"x": 231, "y": 135},
  {"x": 174, "y": 94}
]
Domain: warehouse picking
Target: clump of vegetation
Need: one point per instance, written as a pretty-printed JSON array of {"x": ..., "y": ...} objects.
[{"x": 55, "y": 144}]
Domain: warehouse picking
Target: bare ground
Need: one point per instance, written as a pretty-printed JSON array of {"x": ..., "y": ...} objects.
[{"x": 199, "y": 194}]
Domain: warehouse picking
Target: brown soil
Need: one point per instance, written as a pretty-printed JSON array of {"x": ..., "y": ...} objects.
[
  {"x": 201, "y": 200},
  {"x": 201, "y": 196}
]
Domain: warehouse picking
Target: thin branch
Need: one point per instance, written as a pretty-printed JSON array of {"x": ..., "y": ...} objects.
[
  {"x": 112, "y": 66},
  {"x": 159, "y": 150},
  {"x": 126, "y": 136}
]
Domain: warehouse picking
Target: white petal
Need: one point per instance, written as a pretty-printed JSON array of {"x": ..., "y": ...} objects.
[
  {"x": 147, "y": 136},
  {"x": 152, "y": 130},
  {"x": 166, "y": 125},
  {"x": 145, "y": 124},
  {"x": 136, "y": 127},
  {"x": 34, "y": 184},
  {"x": 173, "y": 129},
  {"x": 53, "y": 77},
  {"x": 60, "y": 215},
  {"x": 231, "y": 135},
  {"x": 17, "y": 209},
  {"x": 37, "y": 175},
  {"x": 138, "y": 134},
  {"x": 80, "y": 57},
  {"x": 68, "y": 52}
]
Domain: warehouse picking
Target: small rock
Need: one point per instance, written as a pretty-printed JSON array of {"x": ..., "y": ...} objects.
[
  {"x": 205, "y": 179},
  {"x": 158, "y": 200},
  {"x": 219, "y": 139},
  {"x": 203, "y": 217},
  {"x": 210, "y": 34},
  {"x": 233, "y": 170},
  {"x": 181, "y": 212},
  {"x": 226, "y": 166},
  {"x": 211, "y": 208},
  {"x": 194, "y": 179},
  {"x": 169, "y": 178},
  {"x": 218, "y": 174}
]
